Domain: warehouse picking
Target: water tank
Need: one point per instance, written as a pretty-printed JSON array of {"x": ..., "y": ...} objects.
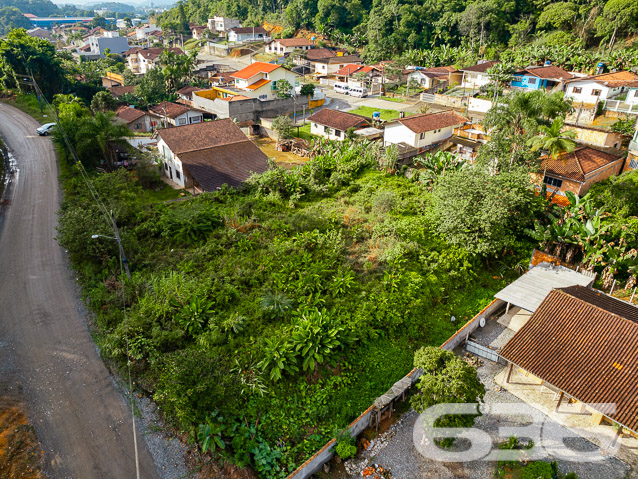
[
  {"x": 548, "y": 62},
  {"x": 599, "y": 68},
  {"x": 376, "y": 115}
]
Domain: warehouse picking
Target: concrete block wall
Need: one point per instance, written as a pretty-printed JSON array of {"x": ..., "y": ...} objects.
[{"x": 326, "y": 453}]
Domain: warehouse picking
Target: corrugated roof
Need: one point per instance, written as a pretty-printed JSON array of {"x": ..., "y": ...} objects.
[
  {"x": 254, "y": 30},
  {"x": 254, "y": 69},
  {"x": 432, "y": 121},
  {"x": 529, "y": 291},
  {"x": 577, "y": 164},
  {"x": 573, "y": 343},
  {"x": 230, "y": 164},
  {"x": 294, "y": 42},
  {"x": 339, "y": 120},
  {"x": 200, "y": 136}
]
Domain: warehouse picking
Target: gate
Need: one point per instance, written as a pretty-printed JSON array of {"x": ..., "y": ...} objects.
[{"x": 482, "y": 351}]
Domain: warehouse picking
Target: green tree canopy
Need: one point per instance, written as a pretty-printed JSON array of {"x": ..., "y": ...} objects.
[
  {"x": 11, "y": 17},
  {"x": 482, "y": 212}
]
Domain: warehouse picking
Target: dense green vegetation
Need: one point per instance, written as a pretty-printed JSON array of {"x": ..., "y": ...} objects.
[
  {"x": 432, "y": 30},
  {"x": 268, "y": 317}
]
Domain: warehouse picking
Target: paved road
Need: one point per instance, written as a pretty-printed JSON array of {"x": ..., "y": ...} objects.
[{"x": 83, "y": 424}]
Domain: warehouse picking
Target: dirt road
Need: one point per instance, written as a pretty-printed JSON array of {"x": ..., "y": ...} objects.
[{"x": 49, "y": 359}]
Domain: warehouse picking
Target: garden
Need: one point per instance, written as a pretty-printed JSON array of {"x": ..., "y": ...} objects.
[{"x": 261, "y": 321}]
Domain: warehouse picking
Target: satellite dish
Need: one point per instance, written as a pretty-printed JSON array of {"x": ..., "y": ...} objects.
[{"x": 482, "y": 322}]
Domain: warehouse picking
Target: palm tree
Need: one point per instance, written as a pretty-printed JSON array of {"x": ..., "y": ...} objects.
[
  {"x": 553, "y": 140},
  {"x": 97, "y": 135}
]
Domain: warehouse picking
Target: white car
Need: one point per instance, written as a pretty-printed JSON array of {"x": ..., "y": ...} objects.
[{"x": 45, "y": 129}]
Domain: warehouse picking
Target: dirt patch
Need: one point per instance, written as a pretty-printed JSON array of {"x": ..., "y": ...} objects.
[{"x": 20, "y": 453}]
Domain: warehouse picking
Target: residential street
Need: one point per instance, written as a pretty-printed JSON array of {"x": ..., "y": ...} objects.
[{"x": 47, "y": 356}]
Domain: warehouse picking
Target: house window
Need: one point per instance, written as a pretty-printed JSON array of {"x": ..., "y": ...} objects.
[
  {"x": 177, "y": 174},
  {"x": 327, "y": 130},
  {"x": 165, "y": 166},
  {"x": 338, "y": 133},
  {"x": 421, "y": 136},
  {"x": 636, "y": 93},
  {"x": 549, "y": 181},
  {"x": 263, "y": 97},
  {"x": 182, "y": 121},
  {"x": 138, "y": 126},
  {"x": 595, "y": 92},
  {"x": 577, "y": 89},
  {"x": 531, "y": 81}
]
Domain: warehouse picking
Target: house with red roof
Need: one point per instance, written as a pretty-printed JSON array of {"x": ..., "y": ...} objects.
[
  {"x": 288, "y": 45},
  {"x": 138, "y": 121},
  {"x": 258, "y": 80},
  {"x": 168, "y": 113},
  {"x": 595, "y": 88},
  {"x": 537, "y": 77},
  {"x": 422, "y": 131},
  {"x": 579, "y": 170},
  {"x": 354, "y": 71},
  {"x": 476, "y": 76}
]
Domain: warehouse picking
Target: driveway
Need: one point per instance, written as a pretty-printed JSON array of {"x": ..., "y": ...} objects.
[{"x": 49, "y": 360}]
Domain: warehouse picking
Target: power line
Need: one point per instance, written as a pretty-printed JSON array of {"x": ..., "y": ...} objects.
[{"x": 110, "y": 217}]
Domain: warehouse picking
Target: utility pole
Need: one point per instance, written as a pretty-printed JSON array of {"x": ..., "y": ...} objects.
[{"x": 116, "y": 231}]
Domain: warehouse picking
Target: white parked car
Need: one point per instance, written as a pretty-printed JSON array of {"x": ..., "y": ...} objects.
[{"x": 45, "y": 129}]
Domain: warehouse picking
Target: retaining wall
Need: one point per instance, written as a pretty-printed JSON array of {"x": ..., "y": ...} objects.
[
  {"x": 316, "y": 462},
  {"x": 250, "y": 109}
]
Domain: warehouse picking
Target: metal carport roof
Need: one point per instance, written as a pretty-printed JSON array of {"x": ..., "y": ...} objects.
[{"x": 529, "y": 291}]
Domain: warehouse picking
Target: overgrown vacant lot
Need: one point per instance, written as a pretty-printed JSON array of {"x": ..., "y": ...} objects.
[{"x": 265, "y": 319}]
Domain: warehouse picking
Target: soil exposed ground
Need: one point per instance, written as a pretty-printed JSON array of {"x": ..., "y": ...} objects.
[{"x": 20, "y": 453}]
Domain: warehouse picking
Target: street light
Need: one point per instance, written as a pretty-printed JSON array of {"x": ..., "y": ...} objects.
[
  {"x": 102, "y": 236},
  {"x": 119, "y": 244}
]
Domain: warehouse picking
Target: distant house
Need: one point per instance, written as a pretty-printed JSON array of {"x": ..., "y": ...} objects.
[
  {"x": 331, "y": 65},
  {"x": 222, "y": 24},
  {"x": 535, "y": 78},
  {"x": 333, "y": 124},
  {"x": 209, "y": 155},
  {"x": 259, "y": 80},
  {"x": 144, "y": 31},
  {"x": 287, "y": 45},
  {"x": 476, "y": 76},
  {"x": 422, "y": 131},
  {"x": 39, "y": 33},
  {"x": 595, "y": 88},
  {"x": 578, "y": 170},
  {"x": 141, "y": 60},
  {"x": 110, "y": 41},
  {"x": 199, "y": 31},
  {"x": 632, "y": 93},
  {"x": 119, "y": 90},
  {"x": 430, "y": 77},
  {"x": 354, "y": 71},
  {"x": 138, "y": 121},
  {"x": 185, "y": 95},
  {"x": 169, "y": 113},
  {"x": 248, "y": 34}
]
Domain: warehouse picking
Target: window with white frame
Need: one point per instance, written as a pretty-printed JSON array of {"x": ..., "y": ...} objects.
[
  {"x": 577, "y": 89},
  {"x": 182, "y": 121},
  {"x": 595, "y": 92}
]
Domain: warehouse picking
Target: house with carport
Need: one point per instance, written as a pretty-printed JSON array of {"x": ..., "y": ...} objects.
[{"x": 205, "y": 156}]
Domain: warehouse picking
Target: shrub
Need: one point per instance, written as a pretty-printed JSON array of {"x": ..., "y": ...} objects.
[
  {"x": 346, "y": 451},
  {"x": 537, "y": 470}
]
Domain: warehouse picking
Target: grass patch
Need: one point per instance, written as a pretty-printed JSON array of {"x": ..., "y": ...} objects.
[
  {"x": 394, "y": 99},
  {"x": 28, "y": 103},
  {"x": 386, "y": 114},
  {"x": 304, "y": 133}
]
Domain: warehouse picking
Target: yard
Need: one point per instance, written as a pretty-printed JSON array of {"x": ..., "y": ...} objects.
[{"x": 368, "y": 111}]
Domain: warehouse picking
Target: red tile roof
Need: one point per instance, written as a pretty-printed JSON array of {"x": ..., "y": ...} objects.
[
  {"x": 480, "y": 67},
  {"x": 129, "y": 114},
  {"x": 339, "y": 120},
  {"x": 169, "y": 109},
  {"x": 613, "y": 79},
  {"x": 249, "y": 30},
  {"x": 319, "y": 53},
  {"x": 578, "y": 164},
  {"x": 353, "y": 69},
  {"x": 118, "y": 91},
  {"x": 294, "y": 42},
  {"x": 584, "y": 344},
  {"x": 254, "y": 69},
  {"x": 548, "y": 72},
  {"x": 188, "y": 90},
  {"x": 432, "y": 121},
  {"x": 201, "y": 136}
]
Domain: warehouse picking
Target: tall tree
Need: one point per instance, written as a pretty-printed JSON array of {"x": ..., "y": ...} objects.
[
  {"x": 619, "y": 16},
  {"x": 553, "y": 139},
  {"x": 21, "y": 54},
  {"x": 96, "y": 136}
]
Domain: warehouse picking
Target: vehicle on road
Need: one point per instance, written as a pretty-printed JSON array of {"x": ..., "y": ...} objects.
[
  {"x": 341, "y": 87},
  {"x": 45, "y": 129},
  {"x": 361, "y": 92}
]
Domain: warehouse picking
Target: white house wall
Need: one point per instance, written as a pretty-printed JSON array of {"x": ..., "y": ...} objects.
[
  {"x": 475, "y": 80},
  {"x": 397, "y": 133},
  {"x": 632, "y": 96},
  {"x": 320, "y": 130},
  {"x": 171, "y": 161},
  {"x": 586, "y": 87}
]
